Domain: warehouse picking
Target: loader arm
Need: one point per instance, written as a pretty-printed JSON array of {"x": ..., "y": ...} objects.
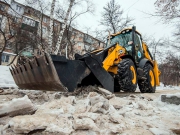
[
  {"x": 113, "y": 58},
  {"x": 100, "y": 64}
]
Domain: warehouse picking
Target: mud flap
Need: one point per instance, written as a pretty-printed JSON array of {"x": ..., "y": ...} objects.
[{"x": 106, "y": 80}]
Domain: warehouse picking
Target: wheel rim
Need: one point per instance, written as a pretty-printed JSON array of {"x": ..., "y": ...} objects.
[
  {"x": 134, "y": 74},
  {"x": 152, "y": 78}
]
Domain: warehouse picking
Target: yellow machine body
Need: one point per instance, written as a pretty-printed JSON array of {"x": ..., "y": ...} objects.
[{"x": 115, "y": 54}]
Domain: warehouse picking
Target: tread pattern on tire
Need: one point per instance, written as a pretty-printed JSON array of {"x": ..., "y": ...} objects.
[
  {"x": 125, "y": 75},
  {"x": 145, "y": 85}
]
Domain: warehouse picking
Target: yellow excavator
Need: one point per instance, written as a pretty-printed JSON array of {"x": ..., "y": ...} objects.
[{"x": 123, "y": 64}]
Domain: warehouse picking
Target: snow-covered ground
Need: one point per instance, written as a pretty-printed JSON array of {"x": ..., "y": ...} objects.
[
  {"x": 93, "y": 114},
  {"x": 6, "y": 79},
  {"x": 168, "y": 87}
]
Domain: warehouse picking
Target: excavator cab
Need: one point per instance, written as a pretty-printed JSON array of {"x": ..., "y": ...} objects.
[
  {"x": 125, "y": 63},
  {"x": 129, "y": 39}
]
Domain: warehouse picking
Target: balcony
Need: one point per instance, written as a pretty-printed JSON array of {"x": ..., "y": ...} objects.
[{"x": 30, "y": 25}]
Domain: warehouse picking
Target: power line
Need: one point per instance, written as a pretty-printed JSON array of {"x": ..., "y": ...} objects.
[{"x": 131, "y": 5}]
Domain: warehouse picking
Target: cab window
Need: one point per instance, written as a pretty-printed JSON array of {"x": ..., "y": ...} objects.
[
  {"x": 138, "y": 43},
  {"x": 122, "y": 39}
]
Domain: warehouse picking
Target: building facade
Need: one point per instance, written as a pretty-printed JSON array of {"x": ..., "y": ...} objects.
[{"x": 37, "y": 24}]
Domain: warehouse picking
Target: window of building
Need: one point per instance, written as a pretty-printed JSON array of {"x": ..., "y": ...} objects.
[
  {"x": 80, "y": 35},
  {"x": 44, "y": 30},
  {"x": 45, "y": 19},
  {"x": 5, "y": 58},
  {"x": 15, "y": 19},
  {"x": 80, "y": 38},
  {"x": 74, "y": 33},
  {"x": 80, "y": 44},
  {"x": 2, "y": 7},
  {"x": 86, "y": 47},
  {"x": 18, "y": 8},
  {"x": 55, "y": 24},
  {"x": 13, "y": 32},
  {"x": 32, "y": 22},
  {"x": 70, "y": 28},
  {"x": 29, "y": 21},
  {"x": 0, "y": 20},
  {"x": 62, "y": 25}
]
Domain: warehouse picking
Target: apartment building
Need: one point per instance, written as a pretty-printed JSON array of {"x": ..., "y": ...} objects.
[{"x": 35, "y": 22}]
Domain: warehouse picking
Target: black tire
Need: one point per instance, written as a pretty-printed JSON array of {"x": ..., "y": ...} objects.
[
  {"x": 149, "y": 84},
  {"x": 127, "y": 75}
]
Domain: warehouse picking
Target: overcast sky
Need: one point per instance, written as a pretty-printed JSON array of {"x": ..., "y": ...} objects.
[{"x": 134, "y": 8}]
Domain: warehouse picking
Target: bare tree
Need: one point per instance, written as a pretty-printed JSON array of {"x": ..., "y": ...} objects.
[
  {"x": 39, "y": 8},
  {"x": 43, "y": 7},
  {"x": 51, "y": 25},
  {"x": 99, "y": 34},
  {"x": 167, "y": 9},
  {"x": 113, "y": 17},
  {"x": 69, "y": 38},
  {"x": 170, "y": 70},
  {"x": 155, "y": 44},
  {"x": 5, "y": 32},
  {"x": 14, "y": 36},
  {"x": 64, "y": 26}
]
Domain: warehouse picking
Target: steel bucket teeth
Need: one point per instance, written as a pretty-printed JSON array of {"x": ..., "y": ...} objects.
[
  {"x": 38, "y": 74},
  {"x": 50, "y": 72}
]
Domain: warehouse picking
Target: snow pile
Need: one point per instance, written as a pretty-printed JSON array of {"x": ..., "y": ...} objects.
[
  {"x": 168, "y": 87},
  {"x": 6, "y": 79},
  {"x": 171, "y": 95},
  {"x": 95, "y": 114},
  {"x": 18, "y": 106},
  {"x": 167, "y": 107}
]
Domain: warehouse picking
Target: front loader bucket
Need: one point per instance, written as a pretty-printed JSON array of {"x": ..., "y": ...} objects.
[{"x": 50, "y": 72}]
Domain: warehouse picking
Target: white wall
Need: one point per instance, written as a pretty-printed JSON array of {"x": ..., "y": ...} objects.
[{"x": 17, "y": 9}]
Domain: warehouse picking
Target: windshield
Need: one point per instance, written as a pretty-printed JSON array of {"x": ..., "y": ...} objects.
[{"x": 122, "y": 39}]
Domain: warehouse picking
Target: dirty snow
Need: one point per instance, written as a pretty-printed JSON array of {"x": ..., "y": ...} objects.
[
  {"x": 17, "y": 107},
  {"x": 168, "y": 87},
  {"x": 94, "y": 114},
  {"x": 6, "y": 79},
  {"x": 171, "y": 95}
]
